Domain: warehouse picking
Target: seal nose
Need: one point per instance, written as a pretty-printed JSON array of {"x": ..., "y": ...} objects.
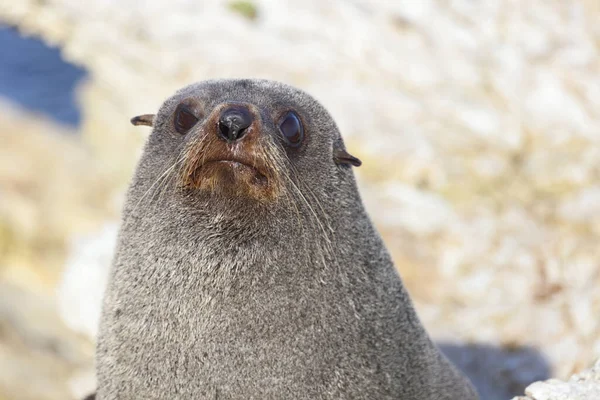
[{"x": 234, "y": 123}]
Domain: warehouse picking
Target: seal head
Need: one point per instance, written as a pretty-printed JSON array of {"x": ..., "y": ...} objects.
[{"x": 229, "y": 143}]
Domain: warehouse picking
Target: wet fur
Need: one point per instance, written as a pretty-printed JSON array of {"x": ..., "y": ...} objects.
[{"x": 221, "y": 295}]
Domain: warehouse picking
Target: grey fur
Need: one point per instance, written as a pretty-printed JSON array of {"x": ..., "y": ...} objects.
[{"x": 223, "y": 298}]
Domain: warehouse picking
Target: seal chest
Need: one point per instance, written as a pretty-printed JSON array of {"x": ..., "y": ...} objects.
[{"x": 247, "y": 267}]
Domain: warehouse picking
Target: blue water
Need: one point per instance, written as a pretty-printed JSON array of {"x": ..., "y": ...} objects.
[{"x": 36, "y": 77}]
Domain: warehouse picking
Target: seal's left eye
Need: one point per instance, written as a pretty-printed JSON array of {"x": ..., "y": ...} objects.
[
  {"x": 292, "y": 129},
  {"x": 184, "y": 119}
]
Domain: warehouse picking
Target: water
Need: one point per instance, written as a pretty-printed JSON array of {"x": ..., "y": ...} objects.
[{"x": 36, "y": 77}]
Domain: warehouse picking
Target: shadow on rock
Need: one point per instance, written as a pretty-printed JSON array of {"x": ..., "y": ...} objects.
[{"x": 498, "y": 373}]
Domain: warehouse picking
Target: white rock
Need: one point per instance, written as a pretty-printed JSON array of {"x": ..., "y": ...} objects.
[
  {"x": 583, "y": 206},
  {"x": 84, "y": 280},
  {"x": 583, "y": 386},
  {"x": 417, "y": 211}
]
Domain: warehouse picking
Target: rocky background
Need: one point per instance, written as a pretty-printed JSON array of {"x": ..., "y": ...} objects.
[{"x": 478, "y": 124}]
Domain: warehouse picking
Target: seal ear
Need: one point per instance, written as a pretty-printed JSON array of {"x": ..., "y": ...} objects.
[
  {"x": 341, "y": 156},
  {"x": 146, "y": 119}
]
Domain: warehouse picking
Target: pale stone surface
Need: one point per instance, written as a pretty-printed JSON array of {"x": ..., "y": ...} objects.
[
  {"x": 38, "y": 354},
  {"x": 582, "y": 386},
  {"x": 84, "y": 279},
  {"x": 50, "y": 190},
  {"x": 478, "y": 124}
]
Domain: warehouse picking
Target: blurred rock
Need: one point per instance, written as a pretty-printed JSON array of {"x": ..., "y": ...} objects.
[
  {"x": 582, "y": 386},
  {"x": 498, "y": 373},
  {"x": 38, "y": 354},
  {"x": 82, "y": 288},
  {"x": 50, "y": 190}
]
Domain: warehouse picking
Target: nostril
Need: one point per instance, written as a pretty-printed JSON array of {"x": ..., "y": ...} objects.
[
  {"x": 224, "y": 129},
  {"x": 234, "y": 123}
]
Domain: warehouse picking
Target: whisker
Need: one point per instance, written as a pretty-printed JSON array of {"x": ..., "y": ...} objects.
[
  {"x": 287, "y": 165},
  {"x": 152, "y": 187},
  {"x": 169, "y": 179}
]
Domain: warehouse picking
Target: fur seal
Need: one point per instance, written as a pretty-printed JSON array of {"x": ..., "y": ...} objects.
[{"x": 247, "y": 267}]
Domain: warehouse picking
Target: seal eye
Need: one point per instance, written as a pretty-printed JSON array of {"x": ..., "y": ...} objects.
[
  {"x": 292, "y": 129},
  {"x": 184, "y": 119}
]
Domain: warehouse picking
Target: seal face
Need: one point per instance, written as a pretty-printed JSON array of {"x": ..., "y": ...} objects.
[
  {"x": 236, "y": 145},
  {"x": 228, "y": 154},
  {"x": 247, "y": 267},
  {"x": 236, "y": 141}
]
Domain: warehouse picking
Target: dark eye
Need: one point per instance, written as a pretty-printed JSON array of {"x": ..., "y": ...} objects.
[
  {"x": 184, "y": 119},
  {"x": 292, "y": 129}
]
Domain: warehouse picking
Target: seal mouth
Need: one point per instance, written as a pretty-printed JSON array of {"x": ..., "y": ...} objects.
[
  {"x": 232, "y": 162},
  {"x": 238, "y": 166},
  {"x": 231, "y": 171}
]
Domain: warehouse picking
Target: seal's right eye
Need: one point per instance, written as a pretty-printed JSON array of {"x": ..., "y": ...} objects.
[
  {"x": 184, "y": 119},
  {"x": 292, "y": 129}
]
